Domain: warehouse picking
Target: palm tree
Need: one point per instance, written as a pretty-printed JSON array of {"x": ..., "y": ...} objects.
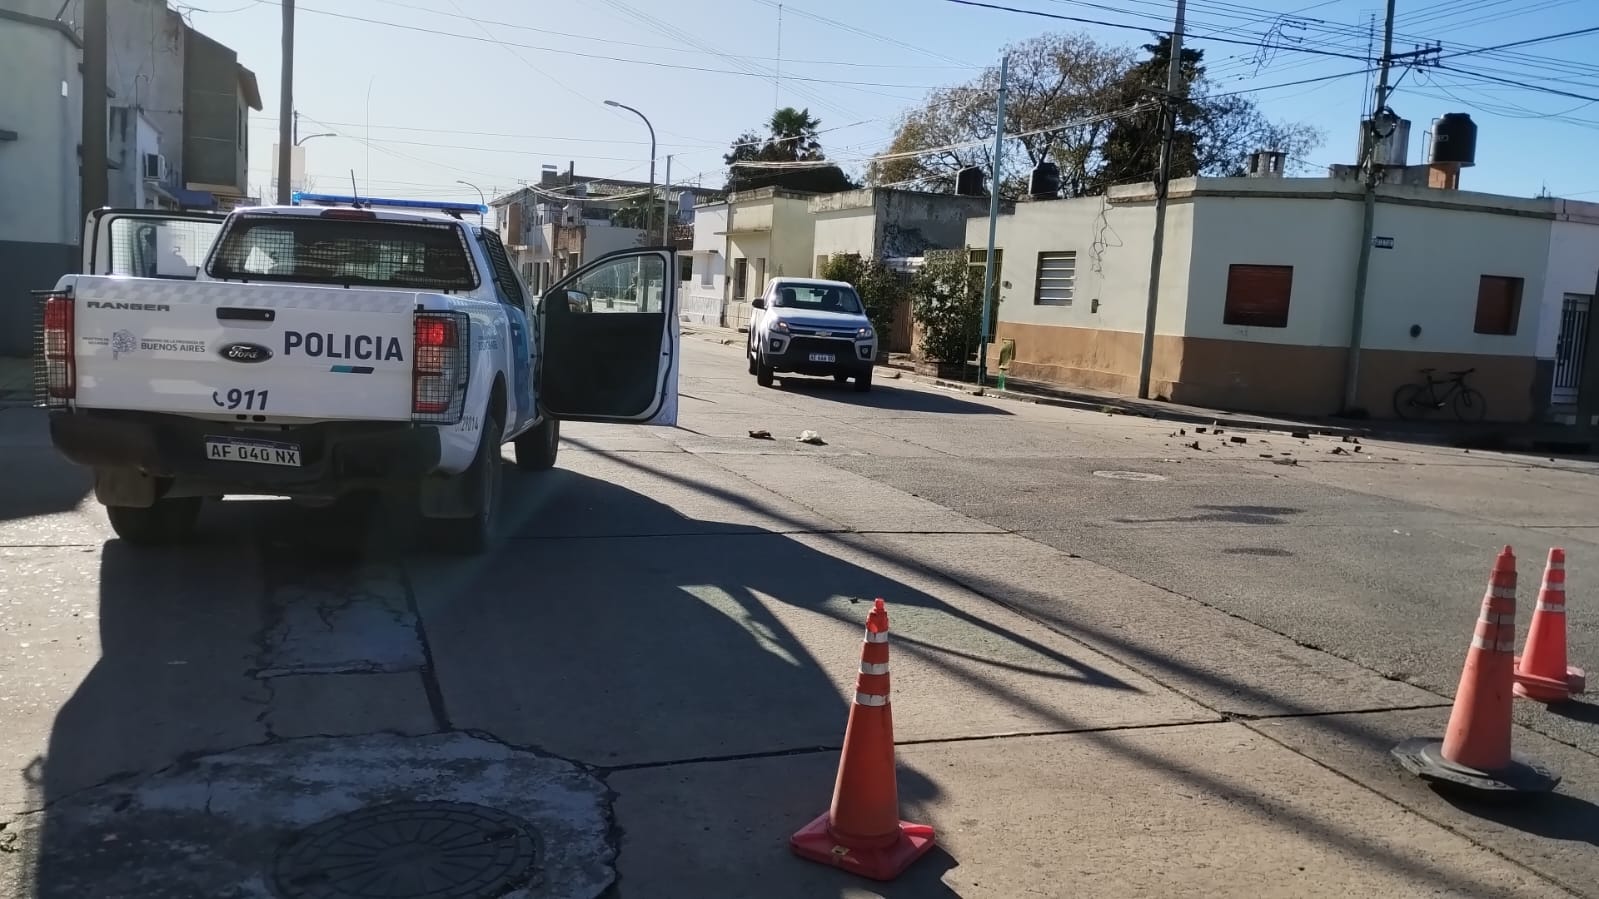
[{"x": 793, "y": 136}]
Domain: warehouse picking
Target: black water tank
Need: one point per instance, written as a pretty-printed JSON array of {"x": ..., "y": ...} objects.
[
  {"x": 969, "y": 182},
  {"x": 1454, "y": 139},
  {"x": 1044, "y": 184}
]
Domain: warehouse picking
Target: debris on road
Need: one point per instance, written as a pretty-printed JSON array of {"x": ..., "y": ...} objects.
[
  {"x": 761, "y": 435},
  {"x": 811, "y": 437},
  {"x": 1201, "y": 429},
  {"x": 1285, "y": 461},
  {"x": 1339, "y": 451},
  {"x": 1301, "y": 435},
  {"x": 1239, "y": 439}
]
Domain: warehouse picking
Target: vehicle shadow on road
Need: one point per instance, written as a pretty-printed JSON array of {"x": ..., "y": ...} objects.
[
  {"x": 1301, "y": 820},
  {"x": 882, "y": 396},
  {"x": 37, "y": 480}
]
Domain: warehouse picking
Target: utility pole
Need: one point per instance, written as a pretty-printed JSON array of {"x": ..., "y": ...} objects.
[
  {"x": 1369, "y": 170},
  {"x": 993, "y": 221},
  {"x": 92, "y": 184},
  {"x": 1168, "y": 127},
  {"x": 666, "y": 205},
  {"x": 286, "y": 113}
]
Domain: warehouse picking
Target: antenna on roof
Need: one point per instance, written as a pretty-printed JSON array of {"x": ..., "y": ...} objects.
[{"x": 355, "y": 191}]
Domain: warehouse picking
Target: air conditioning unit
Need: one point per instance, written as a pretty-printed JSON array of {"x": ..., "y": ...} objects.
[{"x": 155, "y": 167}]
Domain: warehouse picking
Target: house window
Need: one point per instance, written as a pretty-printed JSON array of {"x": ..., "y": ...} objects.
[
  {"x": 1257, "y": 295},
  {"x": 760, "y": 274},
  {"x": 1057, "y": 277},
  {"x": 1498, "y": 305},
  {"x": 741, "y": 278},
  {"x": 705, "y": 272},
  {"x": 977, "y": 260},
  {"x": 685, "y": 267},
  {"x": 821, "y": 266}
]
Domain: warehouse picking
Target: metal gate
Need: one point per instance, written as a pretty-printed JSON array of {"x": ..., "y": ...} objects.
[{"x": 1571, "y": 349}]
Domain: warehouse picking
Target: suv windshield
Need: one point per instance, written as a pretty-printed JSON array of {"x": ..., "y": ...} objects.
[
  {"x": 303, "y": 249},
  {"x": 817, "y": 298}
]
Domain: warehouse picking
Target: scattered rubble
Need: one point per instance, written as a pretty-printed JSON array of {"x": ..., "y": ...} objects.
[
  {"x": 1301, "y": 435},
  {"x": 811, "y": 437},
  {"x": 1239, "y": 439},
  {"x": 761, "y": 435}
]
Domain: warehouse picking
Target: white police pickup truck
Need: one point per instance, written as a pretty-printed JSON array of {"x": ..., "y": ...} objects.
[{"x": 336, "y": 346}]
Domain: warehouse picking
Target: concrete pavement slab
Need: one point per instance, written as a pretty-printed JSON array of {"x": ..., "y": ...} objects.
[
  {"x": 557, "y": 503},
  {"x": 217, "y": 825},
  {"x": 336, "y": 705},
  {"x": 858, "y": 503},
  {"x": 1521, "y": 495},
  {"x": 1556, "y": 834},
  {"x": 151, "y": 661},
  {"x": 1206, "y": 810},
  {"x": 1218, "y": 659},
  {"x": 725, "y": 645}
]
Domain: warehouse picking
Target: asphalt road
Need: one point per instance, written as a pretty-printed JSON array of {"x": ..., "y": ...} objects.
[{"x": 1149, "y": 668}]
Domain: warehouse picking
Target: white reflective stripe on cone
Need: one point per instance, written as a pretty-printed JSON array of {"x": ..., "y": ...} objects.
[
  {"x": 1502, "y": 592},
  {"x": 1559, "y": 608},
  {"x": 874, "y": 667},
  {"x": 1501, "y": 619},
  {"x": 1502, "y": 646},
  {"x": 870, "y": 699},
  {"x": 872, "y": 637}
]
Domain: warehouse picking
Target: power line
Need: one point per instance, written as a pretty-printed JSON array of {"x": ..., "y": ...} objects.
[
  {"x": 1524, "y": 85},
  {"x": 1084, "y": 21}
]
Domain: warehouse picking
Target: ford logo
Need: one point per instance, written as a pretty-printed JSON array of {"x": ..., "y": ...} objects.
[{"x": 245, "y": 352}]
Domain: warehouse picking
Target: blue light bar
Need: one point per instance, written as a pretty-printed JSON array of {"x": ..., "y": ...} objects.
[{"x": 298, "y": 197}]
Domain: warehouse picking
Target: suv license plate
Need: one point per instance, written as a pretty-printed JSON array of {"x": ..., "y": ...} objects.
[
  {"x": 821, "y": 357},
  {"x": 259, "y": 452}
]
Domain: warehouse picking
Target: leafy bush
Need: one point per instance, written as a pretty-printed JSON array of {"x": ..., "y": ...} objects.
[
  {"x": 946, "y": 302},
  {"x": 879, "y": 287}
]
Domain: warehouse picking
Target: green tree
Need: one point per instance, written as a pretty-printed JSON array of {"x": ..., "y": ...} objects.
[
  {"x": 1076, "y": 94},
  {"x": 946, "y": 302},
  {"x": 879, "y": 287},
  {"x": 635, "y": 213},
  {"x": 791, "y": 137}
]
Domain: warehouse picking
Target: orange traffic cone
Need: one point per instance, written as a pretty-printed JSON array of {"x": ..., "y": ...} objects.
[
  {"x": 1474, "y": 755},
  {"x": 1542, "y": 673},
  {"x": 862, "y": 832}
]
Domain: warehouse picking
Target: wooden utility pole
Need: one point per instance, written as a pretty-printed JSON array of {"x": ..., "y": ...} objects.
[
  {"x": 286, "y": 105},
  {"x": 92, "y": 184},
  {"x": 1168, "y": 135},
  {"x": 1370, "y": 172}
]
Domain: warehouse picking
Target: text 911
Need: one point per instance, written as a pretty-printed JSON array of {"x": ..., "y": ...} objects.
[{"x": 247, "y": 400}]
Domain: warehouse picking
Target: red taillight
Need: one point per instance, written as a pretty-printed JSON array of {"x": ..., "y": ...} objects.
[
  {"x": 360, "y": 214},
  {"x": 60, "y": 365},
  {"x": 437, "y": 364}
]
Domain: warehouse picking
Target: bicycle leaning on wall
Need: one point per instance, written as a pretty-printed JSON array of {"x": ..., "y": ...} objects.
[{"x": 1413, "y": 401}]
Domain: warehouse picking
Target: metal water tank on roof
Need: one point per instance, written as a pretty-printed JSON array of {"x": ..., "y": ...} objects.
[
  {"x": 1392, "y": 136},
  {"x": 1454, "y": 140},
  {"x": 1044, "y": 183}
]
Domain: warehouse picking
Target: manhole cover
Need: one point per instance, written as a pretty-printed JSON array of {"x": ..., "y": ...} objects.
[
  {"x": 408, "y": 850},
  {"x": 1129, "y": 475}
]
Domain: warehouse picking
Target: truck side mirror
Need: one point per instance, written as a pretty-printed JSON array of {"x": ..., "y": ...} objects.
[{"x": 758, "y": 302}]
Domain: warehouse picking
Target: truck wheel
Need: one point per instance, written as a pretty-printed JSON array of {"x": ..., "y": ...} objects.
[
  {"x": 166, "y": 522},
  {"x": 472, "y": 535},
  {"x": 763, "y": 371},
  {"x": 749, "y": 355},
  {"x": 535, "y": 450},
  {"x": 863, "y": 381}
]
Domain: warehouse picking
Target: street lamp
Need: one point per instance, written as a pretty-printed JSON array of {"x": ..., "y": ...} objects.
[
  {"x": 300, "y": 140},
  {"x": 649, "y": 207},
  {"x": 482, "y": 201}
]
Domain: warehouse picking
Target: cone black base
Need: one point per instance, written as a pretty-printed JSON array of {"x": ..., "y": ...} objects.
[
  {"x": 815, "y": 842},
  {"x": 1423, "y": 757}
]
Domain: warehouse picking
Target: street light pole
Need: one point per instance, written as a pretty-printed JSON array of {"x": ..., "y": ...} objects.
[
  {"x": 649, "y": 206},
  {"x": 481, "y": 200},
  {"x": 666, "y": 205},
  {"x": 286, "y": 102}
]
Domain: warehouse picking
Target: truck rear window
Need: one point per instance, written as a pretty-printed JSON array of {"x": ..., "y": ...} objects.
[{"x": 349, "y": 252}]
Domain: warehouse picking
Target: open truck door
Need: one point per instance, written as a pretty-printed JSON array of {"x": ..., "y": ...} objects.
[
  {"x": 148, "y": 243},
  {"x": 609, "y": 340}
]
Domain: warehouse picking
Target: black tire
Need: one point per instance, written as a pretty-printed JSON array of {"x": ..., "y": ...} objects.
[
  {"x": 536, "y": 450},
  {"x": 1470, "y": 405},
  {"x": 763, "y": 372},
  {"x": 472, "y": 535},
  {"x": 1405, "y": 407},
  {"x": 863, "y": 381},
  {"x": 840, "y": 378},
  {"x": 749, "y": 354},
  {"x": 165, "y": 523}
]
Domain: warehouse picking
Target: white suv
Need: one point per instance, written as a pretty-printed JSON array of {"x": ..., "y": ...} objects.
[{"x": 811, "y": 327}]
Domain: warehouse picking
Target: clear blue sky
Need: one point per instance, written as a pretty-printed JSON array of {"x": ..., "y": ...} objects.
[{"x": 453, "y": 96}]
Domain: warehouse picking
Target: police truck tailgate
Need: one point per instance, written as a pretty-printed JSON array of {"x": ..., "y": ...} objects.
[{"x": 243, "y": 352}]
